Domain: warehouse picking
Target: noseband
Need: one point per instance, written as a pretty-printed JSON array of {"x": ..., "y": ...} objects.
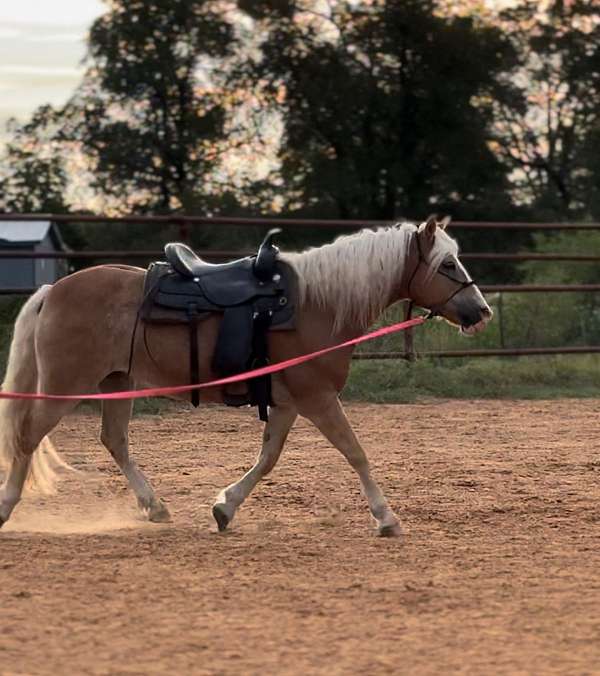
[{"x": 435, "y": 309}]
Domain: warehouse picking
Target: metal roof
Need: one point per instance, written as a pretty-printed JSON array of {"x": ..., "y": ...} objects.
[{"x": 19, "y": 232}]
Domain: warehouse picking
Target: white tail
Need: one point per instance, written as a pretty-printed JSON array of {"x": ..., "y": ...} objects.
[{"x": 22, "y": 376}]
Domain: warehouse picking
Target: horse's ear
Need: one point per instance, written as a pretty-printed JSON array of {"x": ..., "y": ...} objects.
[
  {"x": 430, "y": 227},
  {"x": 445, "y": 222}
]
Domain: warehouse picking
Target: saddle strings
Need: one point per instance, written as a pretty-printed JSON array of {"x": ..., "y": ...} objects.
[{"x": 134, "y": 333}]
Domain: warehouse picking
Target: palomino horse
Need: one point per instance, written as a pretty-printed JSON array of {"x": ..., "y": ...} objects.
[{"x": 75, "y": 337}]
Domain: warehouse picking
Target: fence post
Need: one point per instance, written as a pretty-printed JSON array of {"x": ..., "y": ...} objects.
[
  {"x": 501, "y": 318},
  {"x": 184, "y": 231}
]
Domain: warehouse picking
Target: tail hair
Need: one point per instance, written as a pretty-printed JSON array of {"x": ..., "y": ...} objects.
[{"x": 22, "y": 376}]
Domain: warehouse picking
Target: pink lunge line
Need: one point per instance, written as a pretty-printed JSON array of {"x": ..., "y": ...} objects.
[{"x": 255, "y": 373}]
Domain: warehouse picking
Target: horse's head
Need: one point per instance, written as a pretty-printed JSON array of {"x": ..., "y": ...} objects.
[{"x": 439, "y": 282}]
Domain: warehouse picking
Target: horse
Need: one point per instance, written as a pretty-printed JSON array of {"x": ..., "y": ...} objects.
[{"x": 78, "y": 336}]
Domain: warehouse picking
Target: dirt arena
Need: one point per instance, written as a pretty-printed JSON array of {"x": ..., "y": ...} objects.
[{"x": 498, "y": 571}]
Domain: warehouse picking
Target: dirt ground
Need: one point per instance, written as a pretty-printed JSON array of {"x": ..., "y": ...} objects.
[{"x": 498, "y": 571}]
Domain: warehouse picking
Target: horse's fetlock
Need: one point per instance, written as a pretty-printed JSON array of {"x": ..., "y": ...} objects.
[
  {"x": 114, "y": 443},
  {"x": 379, "y": 512}
]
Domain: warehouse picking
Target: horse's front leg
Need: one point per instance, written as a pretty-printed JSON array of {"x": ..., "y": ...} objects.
[
  {"x": 331, "y": 420},
  {"x": 281, "y": 419}
]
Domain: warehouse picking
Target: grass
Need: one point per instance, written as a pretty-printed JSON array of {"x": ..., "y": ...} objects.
[{"x": 544, "y": 377}]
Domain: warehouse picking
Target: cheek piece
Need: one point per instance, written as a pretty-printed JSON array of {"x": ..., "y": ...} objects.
[{"x": 434, "y": 310}]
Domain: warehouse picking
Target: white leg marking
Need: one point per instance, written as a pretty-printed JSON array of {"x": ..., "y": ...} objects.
[
  {"x": 115, "y": 423},
  {"x": 333, "y": 424},
  {"x": 281, "y": 419},
  {"x": 10, "y": 492}
]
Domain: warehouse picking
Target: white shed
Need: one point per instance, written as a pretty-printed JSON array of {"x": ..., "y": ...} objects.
[{"x": 35, "y": 236}]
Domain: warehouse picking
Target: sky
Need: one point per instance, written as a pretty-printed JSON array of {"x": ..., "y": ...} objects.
[{"x": 42, "y": 44}]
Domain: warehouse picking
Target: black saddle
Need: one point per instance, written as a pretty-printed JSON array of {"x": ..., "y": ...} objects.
[
  {"x": 253, "y": 294},
  {"x": 184, "y": 261}
]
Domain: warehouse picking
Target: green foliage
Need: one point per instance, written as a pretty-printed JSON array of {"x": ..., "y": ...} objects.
[
  {"x": 548, "y": 132},
  {"x": 564, "y": 318},
  {"x": 378, "y": 109},
  {"x": 389, "y": 109},
  {"x": 146, "y": 123},
  {"x": 33, "y": 176},
  {"x": 502, "y": 378},
  {"x": 9, "y": 309}
]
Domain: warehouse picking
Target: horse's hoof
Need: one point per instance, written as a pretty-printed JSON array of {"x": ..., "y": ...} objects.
[
  {"x": 221, "y": 516},
  {"x": 158, "y": 513},
  {"x": 393, "y": 531}
]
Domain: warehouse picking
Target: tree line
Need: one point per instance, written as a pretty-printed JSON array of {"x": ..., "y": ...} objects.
[{"x": 377, "y": 109}]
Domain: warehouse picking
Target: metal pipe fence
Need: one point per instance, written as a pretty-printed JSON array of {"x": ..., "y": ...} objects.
[
  {"x": 499, "y": 352},
  {"x": 221, "y": 254},
  {"x": 351, "y": 224},
  {"x": 409, "y": 352}
]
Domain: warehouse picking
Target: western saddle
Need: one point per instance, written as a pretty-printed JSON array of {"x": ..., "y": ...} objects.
[{"x": 253, "y": 295}]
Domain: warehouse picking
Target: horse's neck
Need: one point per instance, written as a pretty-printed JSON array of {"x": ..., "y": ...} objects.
[
  {"x": 354, "y": 286},
  {"x": 352, "y": 328}
]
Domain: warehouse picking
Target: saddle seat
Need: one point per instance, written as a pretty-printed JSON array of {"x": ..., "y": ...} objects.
[
  {"x": 225, "y": 284},
  {"x": 188, "y": 264}
]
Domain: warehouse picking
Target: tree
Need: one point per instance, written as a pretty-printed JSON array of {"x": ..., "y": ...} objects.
[
  {"x": 143, "y": 116},
  {"x": 549, "y": 135},
  {"x": 377, "y": 107},
  {"x": 32, "y": 174}
]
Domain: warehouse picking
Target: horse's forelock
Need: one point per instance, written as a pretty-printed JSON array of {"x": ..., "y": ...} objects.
[{"x": 443, "y": 246}]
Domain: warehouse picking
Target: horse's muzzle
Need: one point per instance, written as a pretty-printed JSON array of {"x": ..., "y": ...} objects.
[{"x": 472, "y": 322}]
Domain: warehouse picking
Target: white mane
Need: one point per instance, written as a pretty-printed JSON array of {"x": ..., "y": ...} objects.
[{"x": 355, "y": 275}]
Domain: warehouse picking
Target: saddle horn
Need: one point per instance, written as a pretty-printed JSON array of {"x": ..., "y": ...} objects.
[{"x": 264, "y": 265}]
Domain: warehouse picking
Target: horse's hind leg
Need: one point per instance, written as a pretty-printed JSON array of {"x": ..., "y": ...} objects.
[
  {"x": 281, "y": 419},
  {"x": 10, "y": 492},
  {"x": 25, "y": 426},
  {"x": 116, "y": 415},
  {"x": 331, "y": 421}
]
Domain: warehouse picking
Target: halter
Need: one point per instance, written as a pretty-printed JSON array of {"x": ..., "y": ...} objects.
[{"x": 435, "y": 309}]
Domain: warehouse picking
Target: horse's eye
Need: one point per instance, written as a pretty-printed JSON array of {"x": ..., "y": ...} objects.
[{"x": 449, "y": 265}]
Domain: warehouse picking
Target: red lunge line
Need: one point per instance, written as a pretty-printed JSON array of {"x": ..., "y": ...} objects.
[{"x": 255, "y": 373}]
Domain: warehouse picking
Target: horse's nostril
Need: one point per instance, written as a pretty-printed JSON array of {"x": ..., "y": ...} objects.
[{"x": 486, "y": 311}]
